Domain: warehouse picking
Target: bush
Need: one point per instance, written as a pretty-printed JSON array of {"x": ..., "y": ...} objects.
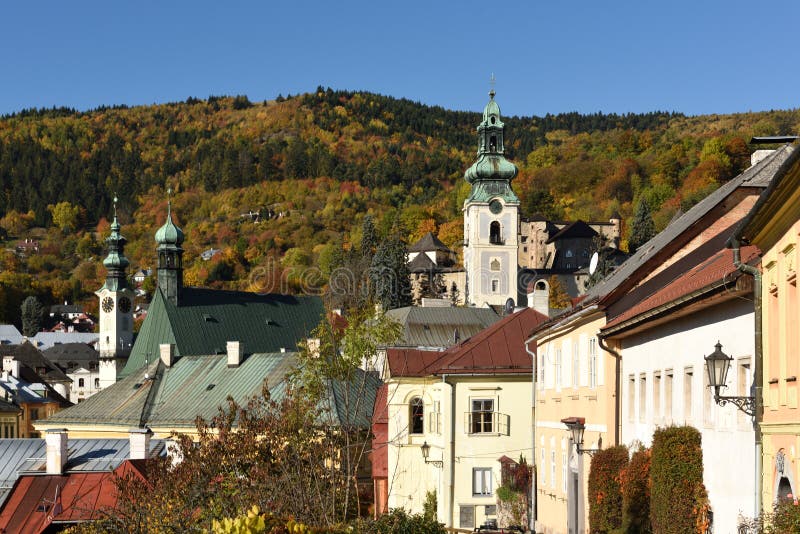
[
  {"x": 398, "y": 521},
  {"x": 678, "y": 499},
  {"x": 605, "y": 491},
  {"x": 636, "y": 494}
]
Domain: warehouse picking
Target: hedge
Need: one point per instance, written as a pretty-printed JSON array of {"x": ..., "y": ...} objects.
[
  {"x": 678, "y": 499},
  {"x": 636, "y": 494},
  {"x": 605, "y": 491}
]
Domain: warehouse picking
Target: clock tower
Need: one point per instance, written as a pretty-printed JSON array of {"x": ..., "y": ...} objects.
[
  {"x": 491, "y": 218},
  {"x": 116, "y": 308}
]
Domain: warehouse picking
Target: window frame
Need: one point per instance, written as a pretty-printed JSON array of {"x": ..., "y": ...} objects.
[
  {"x": 416, "y": 416},
  {"x": 478, "y": 425},
  {"x": 479, "y": 485}
]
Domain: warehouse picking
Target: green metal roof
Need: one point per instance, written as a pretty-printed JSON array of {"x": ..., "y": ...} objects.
[
  {"x": 206, "y": 319},
  {"x": 436, "y": 327},
  {"x": 195, "y": 386},
  {"x": 169, "y": 234}
]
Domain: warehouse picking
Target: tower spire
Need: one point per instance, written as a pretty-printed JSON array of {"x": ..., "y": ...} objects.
[
  {"x": 170, "y": 256},
  {"x": 116, "y": 262}
]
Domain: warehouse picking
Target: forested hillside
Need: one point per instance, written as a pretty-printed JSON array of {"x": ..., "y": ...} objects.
[{"x": 312, "y": 166}]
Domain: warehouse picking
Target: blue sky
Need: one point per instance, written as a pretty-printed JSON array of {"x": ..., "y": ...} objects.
[{"x": 549, "y": 56}]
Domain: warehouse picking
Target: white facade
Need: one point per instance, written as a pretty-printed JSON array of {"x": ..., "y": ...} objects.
[
  {"x": 665, "y": 382},
  {"x": 116, "y": 331},
  {"x": 468, "y": 476},
  {"x": 490, "y": 253}
]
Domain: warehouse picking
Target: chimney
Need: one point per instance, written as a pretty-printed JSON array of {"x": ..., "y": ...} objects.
[
  {"x": 56, "y": 446},
  {"x": 539, "y": 297},
  {"x": 11, "y": 365},
  {"x": 167, "y": 351},
  {"x": 140, "y": 443},
  {"x": 234, "y": 349}
]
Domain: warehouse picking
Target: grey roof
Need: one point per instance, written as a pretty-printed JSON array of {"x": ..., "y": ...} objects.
[
  {"x": 428, "y": 242},
  {"x": 27, "y": 456},
  {"x": 29, "y": 355},
  {"x": 9, "y": 335},
  {"x": 45, "y": 340},
  {"x": 421, "y": 264},
  {"x": 173, "y": 397},
  {"x": 206, "y": 319},
  {"x": 757, "y": 176},
  {"x": 71, "y": 352},
  {"x": 436, "y": 327}
]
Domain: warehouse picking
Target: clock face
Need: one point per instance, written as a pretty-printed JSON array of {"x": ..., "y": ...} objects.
[
  {"x": 124, "y": 305},
  {"x": 495, "y": 206},
  {"x": 108, "y": 304}
]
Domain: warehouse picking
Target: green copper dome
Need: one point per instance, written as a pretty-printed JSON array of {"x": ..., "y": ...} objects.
[
  {"x": 492, "y": 173},
  {"x": 169, "y": 234},
  {"x": 116, "y": 262}
]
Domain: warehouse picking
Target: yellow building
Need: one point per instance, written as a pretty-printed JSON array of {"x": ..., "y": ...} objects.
[
  {"x": 575, "y": 378},
  {"x": 773, "y": 226}
]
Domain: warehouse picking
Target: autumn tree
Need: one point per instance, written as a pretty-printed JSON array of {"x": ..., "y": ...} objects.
[
  {"x": 559, "y": 298},
  {"x": 65, "y": 216}
]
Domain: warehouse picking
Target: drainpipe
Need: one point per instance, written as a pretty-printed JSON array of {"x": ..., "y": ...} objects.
[
  {"x": 533, "y": 516},
  {"x": 758, "y": 371},
  {"x": 450, "y": 486},
  {"x": 617, "y": 385}
]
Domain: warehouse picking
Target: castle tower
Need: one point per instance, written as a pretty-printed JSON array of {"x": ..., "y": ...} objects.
[
  {"x": 116, "y": 308},
  {"x": 491, "y": 218},
  {"x": 170, "y": 258}
]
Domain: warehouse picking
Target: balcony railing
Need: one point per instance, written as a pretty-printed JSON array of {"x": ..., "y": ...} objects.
[{"x": 494, "y": 423}]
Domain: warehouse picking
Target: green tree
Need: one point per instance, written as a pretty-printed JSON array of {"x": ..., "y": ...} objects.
[
  {"x": 32, "y": 315},
  {"x": 643, "y": 229},
  {"x": 369, "y": 237},
  {"x": 389, "y": 274}
]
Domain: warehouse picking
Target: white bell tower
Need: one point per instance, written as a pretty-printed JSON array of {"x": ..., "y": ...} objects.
[
  {"x": 491, "y": 218},
  {"x": 116, "y": 308}
]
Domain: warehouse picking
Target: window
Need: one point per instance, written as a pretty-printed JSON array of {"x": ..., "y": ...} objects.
[
  {"x": 482, "y": 481},
  {"x": 656, "y": 395},
  {"x": 593, "y": 363},
  {"x": 541, "y": 463},
  {"x": 482, "y": 411},
  {"x": 558, "y": 368},
  {"x": 96, "y": 382},
  {"x": 643, "y": 397},
  {"x": 524, "y": 249},
  {"x": 81, "y": 382},
  {"x": 494, "y": 233},
  {"x": 495, "y": 285},
  {"x": 542, "y": 363},
  {"x": 631, "y": 398},
  {"x": 416, "y": 413},
  {"x": 668, "y": 380},
  {"x": 568, "y": 254},
  {"x": 563, "y": 465},
  {"x": 576, "y": 365},
  {"x": 744, "y": 382},
  {"x": 34, "y": 414},
  {"x": 494, "y": 265},
  {"x": 466, "y": 516},
  {"x": 688, "y": 382},
  {"x": 552, "y": 468},
  {"x": 490, "y": 509}
]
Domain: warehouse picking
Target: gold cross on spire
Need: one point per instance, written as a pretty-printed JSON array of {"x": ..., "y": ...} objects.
[
  {"x": 115, "y": 205},
  {"x": 491, "y": 85}
]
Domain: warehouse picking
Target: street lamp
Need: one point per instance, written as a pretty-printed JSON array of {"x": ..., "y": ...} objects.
[
  {"x": 717, "y": 364},
  {"x": 576, "y": 426},
  {"x": 426, "y": 451}
]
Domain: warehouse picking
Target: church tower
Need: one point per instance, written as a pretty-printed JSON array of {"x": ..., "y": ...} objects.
[
  {"x": 491, "y": 218},
  {"x": 170, "y": 258},
  {"x": 116, "y": 308}
]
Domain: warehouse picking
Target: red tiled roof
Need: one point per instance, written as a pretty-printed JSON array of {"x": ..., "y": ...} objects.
[
  {"x": 37, "y": 501},
  {"x": 719, "y": 266},
  {"x": 499, "y": 349}
]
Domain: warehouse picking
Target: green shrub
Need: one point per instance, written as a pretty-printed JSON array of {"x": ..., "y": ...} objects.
[
  {"x": 636, "y": 494},
  {"x": 605, "y": 492},
  {"x": 678, "y": 499},
  {"x": 398, "y": 521}
]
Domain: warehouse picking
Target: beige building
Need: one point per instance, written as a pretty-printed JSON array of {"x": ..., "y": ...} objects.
[
  {"x": 575, "y": 378},
  {"x": 773, "y": 226},
  {"x": 466, "y": 408},
  {"x": 545, "y": 244}
]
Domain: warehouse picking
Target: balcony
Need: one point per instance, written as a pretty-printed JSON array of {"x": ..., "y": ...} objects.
[{"x": 486, "y": 423}]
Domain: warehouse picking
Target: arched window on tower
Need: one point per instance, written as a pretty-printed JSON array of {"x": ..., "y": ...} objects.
[
  {"x": 416, "y": 416},
  {"x": 494, "y": 233},
  {"x": 494, "y": 265},
  {"x": 80, "y": 382},
  {"x": 492, "y": 144}
]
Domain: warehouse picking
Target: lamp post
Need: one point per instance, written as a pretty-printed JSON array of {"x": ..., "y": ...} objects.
[
  {"x": 717, "y": 364},
  {"x": 576, "y": 426},
  {"x": 426, "y": 451}
]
